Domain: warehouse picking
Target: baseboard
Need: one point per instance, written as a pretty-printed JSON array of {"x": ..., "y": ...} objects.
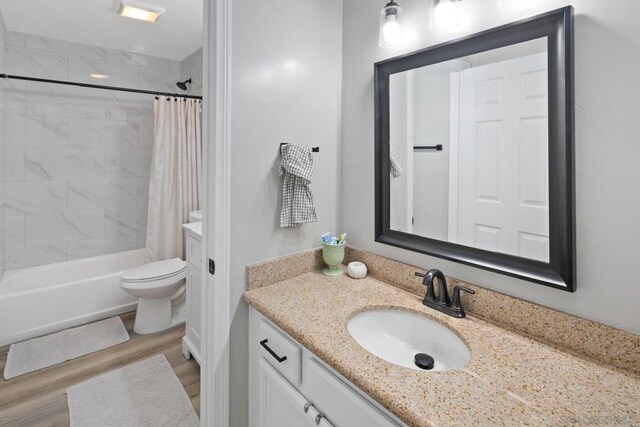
[{"x": 195, "y": 353}]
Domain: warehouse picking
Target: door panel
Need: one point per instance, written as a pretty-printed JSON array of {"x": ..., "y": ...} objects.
[
  {"x": 343, "y": 406},
  {"x": 280, "y": 404},
  {"x": 533, "y": 190},
  {"x": 503, "y": 194}
]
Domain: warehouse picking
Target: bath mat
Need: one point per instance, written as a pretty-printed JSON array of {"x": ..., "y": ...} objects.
[
  {"x": 42, "y": 352},
  {"x": 146, "y": 393}
]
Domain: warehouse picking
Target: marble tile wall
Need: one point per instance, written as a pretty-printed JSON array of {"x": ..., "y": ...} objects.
[
  {"x": 192, "y": 69},
  {"x": 77, "y": 160}
]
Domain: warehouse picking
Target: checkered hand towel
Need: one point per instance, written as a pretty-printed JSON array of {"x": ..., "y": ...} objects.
[
  {"x": 296, "y": 165},
  {"x": 395, "y": 170}
]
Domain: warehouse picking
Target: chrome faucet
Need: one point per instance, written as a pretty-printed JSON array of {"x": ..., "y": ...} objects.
[{"x": 442, "y": 302}]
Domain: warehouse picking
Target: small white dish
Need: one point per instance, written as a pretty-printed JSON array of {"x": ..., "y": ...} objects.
[{"x": 357, "y": 270}]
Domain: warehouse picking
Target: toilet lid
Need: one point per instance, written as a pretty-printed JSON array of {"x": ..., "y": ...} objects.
[{"x": 155, "y": 271}]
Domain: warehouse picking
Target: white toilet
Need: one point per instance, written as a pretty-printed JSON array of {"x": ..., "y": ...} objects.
[{"x": 154, "y": 284}]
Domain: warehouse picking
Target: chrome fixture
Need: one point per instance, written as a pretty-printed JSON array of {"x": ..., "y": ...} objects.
[{"x": 442, "y": 302}]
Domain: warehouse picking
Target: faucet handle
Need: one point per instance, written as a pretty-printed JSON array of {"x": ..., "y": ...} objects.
[
  {"x": 456, "y": 304},
  {"x": 417, "y": 273}
]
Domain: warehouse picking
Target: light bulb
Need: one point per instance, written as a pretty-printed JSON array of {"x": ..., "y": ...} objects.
[
  {"x": 445, "y": 15},
  {"x": 392, "y": 33},
  {"x": 391, "y": 26}
]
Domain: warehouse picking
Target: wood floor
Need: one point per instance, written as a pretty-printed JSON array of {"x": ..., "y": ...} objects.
[{"x": 38, "y": 398}]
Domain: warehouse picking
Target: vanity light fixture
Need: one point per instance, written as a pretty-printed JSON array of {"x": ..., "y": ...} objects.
[
  {"x": 444, "y": 15},
  {"x": 391, "y": 26},
  {"x": 99, "y": 76},
  {"x": 141, "y": 11}
]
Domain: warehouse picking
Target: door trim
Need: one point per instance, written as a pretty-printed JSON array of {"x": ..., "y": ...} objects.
[
  {"x": 454, "y": 156},
  {"x": 216, "y": 289}
]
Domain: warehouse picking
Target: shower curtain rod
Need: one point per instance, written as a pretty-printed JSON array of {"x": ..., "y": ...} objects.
[{"x": 121, "y": 89}]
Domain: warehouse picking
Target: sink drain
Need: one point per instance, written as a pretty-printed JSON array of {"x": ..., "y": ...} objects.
[{"x": 424, "y": 361}]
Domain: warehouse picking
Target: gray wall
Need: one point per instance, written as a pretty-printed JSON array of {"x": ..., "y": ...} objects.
[
  {"x": 285, "y": 87},
  {"x": 426, "y": 112},
  {"x": 399, "y": 134},
  {"x": 77, "y": 160},
  {"x": 607, "y": 152},
  {"x": 431, "y": 168},
  {"x": 3, "y": 63}
]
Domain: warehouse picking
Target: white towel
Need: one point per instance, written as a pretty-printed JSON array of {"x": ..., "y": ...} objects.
[
  {"x": 395, "y": 170},
  {"x": 296, "y": 165}
]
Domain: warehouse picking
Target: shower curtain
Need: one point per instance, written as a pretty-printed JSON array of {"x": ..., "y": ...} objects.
[{"x": 174, "y": 183}]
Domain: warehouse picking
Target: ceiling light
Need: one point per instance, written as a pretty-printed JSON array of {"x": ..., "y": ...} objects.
[
  {"x": 140, "y": 11},
  {"x": 99, "y": 76}
]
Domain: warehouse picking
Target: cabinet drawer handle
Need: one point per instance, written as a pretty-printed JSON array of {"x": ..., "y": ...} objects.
[
  {"x": 319, "y": 418},
  {"x": 307, "y": 406},
  {"x": 264, "y": 345}
]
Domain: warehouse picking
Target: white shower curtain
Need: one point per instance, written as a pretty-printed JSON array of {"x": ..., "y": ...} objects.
[{"x": 174, "y": 183}]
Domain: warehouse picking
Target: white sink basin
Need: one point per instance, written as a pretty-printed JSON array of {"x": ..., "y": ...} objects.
[{"x": 397, "y": 336}]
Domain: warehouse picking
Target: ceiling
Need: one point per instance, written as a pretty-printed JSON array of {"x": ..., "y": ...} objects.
[{"x": 176, "y": 34}]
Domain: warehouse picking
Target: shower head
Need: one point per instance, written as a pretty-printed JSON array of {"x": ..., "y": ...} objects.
[{"x": 183, "y": 85}]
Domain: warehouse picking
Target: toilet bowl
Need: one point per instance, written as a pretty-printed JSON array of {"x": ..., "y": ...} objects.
[{"x": 154, "y": 285}]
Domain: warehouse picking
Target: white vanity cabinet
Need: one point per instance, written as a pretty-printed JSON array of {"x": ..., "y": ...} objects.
[
  {"x": 290, "y": 386},
  {"x": 191, "y": 340},
  {"x": 280, "y": 404}
]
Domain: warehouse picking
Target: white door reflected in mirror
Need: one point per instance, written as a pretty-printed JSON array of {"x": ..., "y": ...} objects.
[{"x": 488, "y": 185}]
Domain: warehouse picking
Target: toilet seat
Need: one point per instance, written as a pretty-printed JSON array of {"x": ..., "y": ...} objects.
[{"x": 155, "y": 271}]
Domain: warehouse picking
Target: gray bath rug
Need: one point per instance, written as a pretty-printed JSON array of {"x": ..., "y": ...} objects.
[
  {"x": 146, "y": 393},
  {"x": 42, "y": 352}
]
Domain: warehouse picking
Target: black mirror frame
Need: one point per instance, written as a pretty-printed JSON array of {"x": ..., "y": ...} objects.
[{"x": 560, "y": 272}]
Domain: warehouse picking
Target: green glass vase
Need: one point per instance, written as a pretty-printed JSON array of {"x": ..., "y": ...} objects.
[{"x": 333, "y": 256}]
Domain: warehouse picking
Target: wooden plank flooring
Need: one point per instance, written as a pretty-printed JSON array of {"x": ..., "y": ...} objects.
[{"x": 39, "y": 399}]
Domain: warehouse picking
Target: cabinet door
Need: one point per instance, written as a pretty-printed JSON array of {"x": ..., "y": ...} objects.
[
  {"x": 279, "y": 345},
  {"x": 343, "y": 405},
  {"x": 194, "y": 308},
  {"x": 280, "y": 404}
]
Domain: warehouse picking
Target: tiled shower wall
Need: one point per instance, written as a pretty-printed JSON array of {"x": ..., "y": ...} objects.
[
  {"x": 77, "y": 160},
  {"x": 192, "y": 69}
]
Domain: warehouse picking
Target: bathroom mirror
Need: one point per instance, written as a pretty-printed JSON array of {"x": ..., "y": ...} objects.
[{"x": 474, "y": 150}]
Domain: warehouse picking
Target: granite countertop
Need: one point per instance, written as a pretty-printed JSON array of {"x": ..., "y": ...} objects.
[{"x": 511, "y": 379}]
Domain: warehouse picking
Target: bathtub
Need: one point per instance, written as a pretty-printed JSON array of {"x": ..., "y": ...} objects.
[{"x": 48, "y": 298}]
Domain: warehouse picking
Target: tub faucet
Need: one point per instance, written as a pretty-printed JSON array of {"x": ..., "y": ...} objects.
[{"x": 442, "y": 302}]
